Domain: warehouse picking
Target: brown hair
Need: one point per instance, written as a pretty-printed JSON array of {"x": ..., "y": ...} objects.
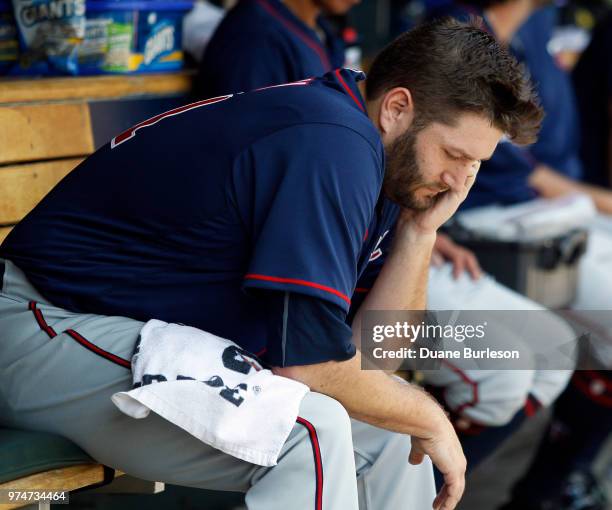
[{"x": 452, "y": 67}]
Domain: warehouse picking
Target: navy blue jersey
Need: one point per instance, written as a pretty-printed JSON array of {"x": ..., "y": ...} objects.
[
  {"x": 558, "y": 142},
  {"x": 261, "y": 43},
  {"x": 188, "y": 215},
  {"x": 504, "y": 178}
]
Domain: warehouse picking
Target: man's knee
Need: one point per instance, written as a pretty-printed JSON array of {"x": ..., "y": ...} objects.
[
  {"x": 327, "y": 415},
  {"x": 498, "y": 397}
]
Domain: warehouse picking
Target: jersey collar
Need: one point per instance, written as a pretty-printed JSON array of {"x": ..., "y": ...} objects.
[{"x": 346, "y": 80}]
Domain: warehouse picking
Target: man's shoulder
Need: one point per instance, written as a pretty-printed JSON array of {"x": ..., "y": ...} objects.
[{"x": 308, "y": 102}]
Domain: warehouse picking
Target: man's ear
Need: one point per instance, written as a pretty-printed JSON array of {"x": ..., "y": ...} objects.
[{"x": 396, "y": 112}]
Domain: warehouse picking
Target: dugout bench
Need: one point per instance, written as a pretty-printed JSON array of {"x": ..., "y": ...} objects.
[{"x": 47, "y": 127}]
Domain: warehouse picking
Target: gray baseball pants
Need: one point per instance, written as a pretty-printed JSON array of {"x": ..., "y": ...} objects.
[{"x": 58, "y": 370}]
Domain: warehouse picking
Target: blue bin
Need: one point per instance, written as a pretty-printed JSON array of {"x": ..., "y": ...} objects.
[{"x": 132, "y": 36}]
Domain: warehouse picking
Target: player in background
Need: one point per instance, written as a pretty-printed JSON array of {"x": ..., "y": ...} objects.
[
  {"x": 592, "y": 78},
  {"x": 268, "y": 42},
  {"x": 251, "y": 217},
  {"x": 553, "y": 167}
]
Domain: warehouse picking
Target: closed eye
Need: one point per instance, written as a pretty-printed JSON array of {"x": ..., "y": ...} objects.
[{"x": 454, "y": 157}]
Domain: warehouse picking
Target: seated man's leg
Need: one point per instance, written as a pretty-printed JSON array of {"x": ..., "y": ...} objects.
[
  {"x": 385, "y": 478},
  {"x": 484, "y": 400},
  {"x": 59, "y": 369}
]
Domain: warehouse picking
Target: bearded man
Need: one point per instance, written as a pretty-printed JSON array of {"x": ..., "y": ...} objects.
[{"x": 253, "y": 217}]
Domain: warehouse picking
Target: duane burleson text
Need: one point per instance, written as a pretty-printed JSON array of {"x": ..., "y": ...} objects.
[{"x": 425, "y": 353}]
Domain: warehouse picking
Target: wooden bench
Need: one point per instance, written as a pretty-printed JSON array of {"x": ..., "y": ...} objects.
[
  {"x": 47, "y": 126},
  {"x": 38, "y": 461}
]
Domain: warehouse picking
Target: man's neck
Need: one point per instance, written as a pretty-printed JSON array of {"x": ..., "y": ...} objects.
[
  {"x": 507, "y": 17},
  {"x": 306, "y": 10}
]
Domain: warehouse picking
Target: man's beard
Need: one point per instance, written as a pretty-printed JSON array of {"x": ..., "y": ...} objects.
[{"x": 403, "y": 175}]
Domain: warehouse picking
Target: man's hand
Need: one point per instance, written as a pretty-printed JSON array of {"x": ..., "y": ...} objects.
[
  {"x": 375, "y": 398},
  {"x": 446, "y": 205},
  {"x": 445, "y": 452},
  {"x": 461, "y": 258},
  {"x": 551, "y": 184}
]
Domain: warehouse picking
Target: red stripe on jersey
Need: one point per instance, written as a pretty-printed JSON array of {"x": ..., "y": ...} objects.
[
  {"x": 348, "y": 90},
  {"x": 127, "y": 135},
  {"x": 316, "y": 452},
  {"x": 294, "y": 281},
  {"x": 306, "y": 39}
]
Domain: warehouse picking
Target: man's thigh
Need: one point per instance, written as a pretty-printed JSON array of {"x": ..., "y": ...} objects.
[
  {"x": 448, "y": 293},
  {"x": 58, "y": 371},
  {"x": 493, "y": 396},
  {"x": 385, "y": 477}
]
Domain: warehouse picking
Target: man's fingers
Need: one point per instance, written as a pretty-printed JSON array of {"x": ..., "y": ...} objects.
[
  {"x": 469, "y": 181},
  {"x": 416, "y": 455},
  {"x": 437, "y": 502},
  {"x": 454, "y": 486},
  {"x": 454, "y": 493},
  {"x": 449, "y": 180},
  {"x": 448, "y": 497},
  {"x": 441, "y": 498},
  {"x": 458, "y": 190},
  {"x": 416, "y": 458},
  {"x": 473, "y": 266},
  {"x": 458, "y": 265}
]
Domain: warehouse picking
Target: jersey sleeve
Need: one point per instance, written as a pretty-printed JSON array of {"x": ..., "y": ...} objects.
[
  {"x": 304, "y": 330},
  {"x": 307, "y": 194}
]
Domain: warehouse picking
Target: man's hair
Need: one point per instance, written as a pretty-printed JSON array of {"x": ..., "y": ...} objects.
[{"x": 452, "y": 67}]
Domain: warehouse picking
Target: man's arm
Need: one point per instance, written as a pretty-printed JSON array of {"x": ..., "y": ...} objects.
[
  {"x": 375, "y": 397},
  {"x": 550, "y": 184}
]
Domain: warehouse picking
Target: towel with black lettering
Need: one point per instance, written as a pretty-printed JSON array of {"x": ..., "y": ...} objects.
[{"x": 213, "y": 389}]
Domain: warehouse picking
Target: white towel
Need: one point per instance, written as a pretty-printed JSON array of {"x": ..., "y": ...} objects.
[
  {"x": 537, "y": 219},
  {"x": 214, "y": 390}
]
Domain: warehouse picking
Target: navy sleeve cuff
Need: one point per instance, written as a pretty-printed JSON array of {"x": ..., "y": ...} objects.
[{"x": 305, "y": 330}]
